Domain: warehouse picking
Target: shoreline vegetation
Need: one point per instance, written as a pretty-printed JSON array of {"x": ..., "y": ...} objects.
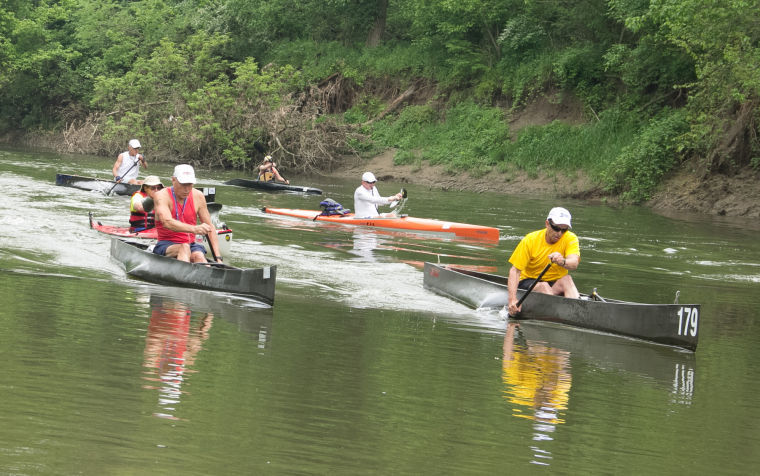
[{"x": 628, "y": 103}]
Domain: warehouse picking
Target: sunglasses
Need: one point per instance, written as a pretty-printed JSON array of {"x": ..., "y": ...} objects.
[
  {"x": 556, "y": 228},
  {"x": 156, "y": 187}
]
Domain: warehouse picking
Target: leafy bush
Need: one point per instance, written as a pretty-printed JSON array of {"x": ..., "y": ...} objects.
[
  {"x": 561, "y": 146},
  {"x": 640, "y": 166},
  {"x": 465, "y": 140}
]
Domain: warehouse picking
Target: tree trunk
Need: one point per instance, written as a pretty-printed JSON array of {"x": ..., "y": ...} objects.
[{"x": 378, "y": 29}]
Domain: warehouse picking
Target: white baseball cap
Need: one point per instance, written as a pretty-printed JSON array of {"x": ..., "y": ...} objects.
[
  {"x": 559, "y": 216},
  {"x": 184, "y": 173},
  {"x": 368, "y": 177},
  {"x": 134, "y": 143}
]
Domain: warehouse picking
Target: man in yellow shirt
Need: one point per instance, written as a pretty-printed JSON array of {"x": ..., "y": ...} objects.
[{"x": 554, "y": 244}]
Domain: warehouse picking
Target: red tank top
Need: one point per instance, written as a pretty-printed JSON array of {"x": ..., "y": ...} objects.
[{"x": 185, "y": 213}]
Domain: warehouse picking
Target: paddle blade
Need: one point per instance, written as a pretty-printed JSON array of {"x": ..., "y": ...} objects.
[{"x": 403, "y": 198}]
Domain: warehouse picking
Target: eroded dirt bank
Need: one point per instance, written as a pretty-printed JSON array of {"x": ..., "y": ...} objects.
[{"x": 736, "y": 195}]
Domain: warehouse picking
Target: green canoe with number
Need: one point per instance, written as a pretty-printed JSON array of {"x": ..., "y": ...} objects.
[{"x": 670, "y": 324}]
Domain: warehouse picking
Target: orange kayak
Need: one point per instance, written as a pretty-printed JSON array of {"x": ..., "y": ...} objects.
[{"x": 398, "y": 223}]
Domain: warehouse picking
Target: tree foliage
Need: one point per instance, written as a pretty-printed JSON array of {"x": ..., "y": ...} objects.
[{"x": 203, "y": 80}]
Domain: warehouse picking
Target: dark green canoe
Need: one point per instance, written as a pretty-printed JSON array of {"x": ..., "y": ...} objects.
[{"x": 669, "y": 324}]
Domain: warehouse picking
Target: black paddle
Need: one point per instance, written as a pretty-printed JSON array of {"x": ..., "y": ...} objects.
[
  {"x": 533, "y": 285},
  {"x": 119, "y": 181},
  {"x": 147, "y": 205},
  {"x": 210, "y": 248}
]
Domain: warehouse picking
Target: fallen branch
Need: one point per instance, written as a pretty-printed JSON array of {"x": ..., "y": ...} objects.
[{"x": 394, "y": 105}]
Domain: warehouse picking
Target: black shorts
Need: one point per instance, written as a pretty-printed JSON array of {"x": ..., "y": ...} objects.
[{"x": 525, "y": 283}]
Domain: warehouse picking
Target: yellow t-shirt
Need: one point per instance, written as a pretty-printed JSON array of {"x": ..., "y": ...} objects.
[{"x": 532, "y": 254}]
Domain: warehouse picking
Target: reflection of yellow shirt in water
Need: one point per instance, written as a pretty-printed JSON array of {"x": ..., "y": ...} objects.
[
  {"x": 532, "y": 254},
  {"x": 537, "y": 378}
]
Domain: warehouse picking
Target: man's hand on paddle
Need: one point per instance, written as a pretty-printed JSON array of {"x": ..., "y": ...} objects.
[{"x": 203, "y": 229}]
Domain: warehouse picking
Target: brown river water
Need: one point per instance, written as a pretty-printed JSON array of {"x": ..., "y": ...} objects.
[{"x": 357, "y": 369}]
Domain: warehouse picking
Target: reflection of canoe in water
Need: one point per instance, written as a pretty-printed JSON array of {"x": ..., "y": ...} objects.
[
  {"x": 224, "y": 235},
  {"x": 666, "y": 365},
  {"x": 397, "y": 223},
  {"x": 249, "y": 316},
  {"x": 670, "y": 324},
  {"x": 95, "y": 184},
  {"x": 258, "y": 283},
  {"x": 272, "y": 186}
]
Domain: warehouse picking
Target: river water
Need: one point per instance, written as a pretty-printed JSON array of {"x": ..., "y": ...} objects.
[{"x": 357, "y": 368}]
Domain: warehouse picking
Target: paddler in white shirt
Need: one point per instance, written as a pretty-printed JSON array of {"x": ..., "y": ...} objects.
[
  {"x": 127, "y": 165},
  {"x": 367, "y": 198}
]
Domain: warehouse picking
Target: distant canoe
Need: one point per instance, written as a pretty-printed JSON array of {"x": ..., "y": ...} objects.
[
  {"x": 95, "y": 184},
  {"x": 257, "y": 283},
  {"x": 102, "y": 185},
  {"x": 272, "y": 186},
  {"x": 669, "y": 324}
]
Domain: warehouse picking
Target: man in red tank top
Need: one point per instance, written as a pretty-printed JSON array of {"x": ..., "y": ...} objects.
[{"x": 178, "y": 209}]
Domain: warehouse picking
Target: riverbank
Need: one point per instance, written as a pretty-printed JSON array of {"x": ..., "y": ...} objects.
[
  {"x": 717, "y": 194},
  {"x": 737, "y": 195}
]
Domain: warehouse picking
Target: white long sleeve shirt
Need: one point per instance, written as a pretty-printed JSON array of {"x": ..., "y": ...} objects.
[{"x": 366, "y": 202}]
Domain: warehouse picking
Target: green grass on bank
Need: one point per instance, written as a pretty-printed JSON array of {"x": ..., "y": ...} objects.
[{"x": 622, "y": 152}]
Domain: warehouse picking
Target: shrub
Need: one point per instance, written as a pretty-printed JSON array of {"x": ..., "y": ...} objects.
[{"x": 638, "y": 169}]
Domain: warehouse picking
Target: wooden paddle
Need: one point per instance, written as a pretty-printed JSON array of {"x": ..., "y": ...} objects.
[{"x": 532, "y": 285}]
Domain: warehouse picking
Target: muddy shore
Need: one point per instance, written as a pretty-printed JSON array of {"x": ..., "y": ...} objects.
[{"x": 737, "y": 195}]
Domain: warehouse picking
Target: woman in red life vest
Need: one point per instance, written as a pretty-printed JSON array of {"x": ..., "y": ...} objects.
[{"x": 142, "y": 216}]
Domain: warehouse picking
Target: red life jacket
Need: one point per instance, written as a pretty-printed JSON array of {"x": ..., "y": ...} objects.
[{"x": 141, "y": 220}]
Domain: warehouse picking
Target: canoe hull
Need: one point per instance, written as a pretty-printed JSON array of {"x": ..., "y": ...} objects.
[
  {"x": 398, "y": 223},
  {"x": 669, "y": 324},
  {"x": 95, "y": 184},
  {"x": 272, "y": 186},
  {"x": 258, "y": 283}
]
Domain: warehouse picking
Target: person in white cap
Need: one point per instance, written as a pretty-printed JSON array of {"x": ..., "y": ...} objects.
[
  {"x": 367, "y": 198},
  {"x": 178, "y": 210},
  {"x": 127, "y": 165},
  {"x": 554, "y": 244},
  {"x": 268, "y": 171},
  {"x": 142, "y": 216}
]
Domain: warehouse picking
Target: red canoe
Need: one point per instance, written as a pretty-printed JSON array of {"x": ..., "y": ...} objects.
[{"x": 225, "y": 234}]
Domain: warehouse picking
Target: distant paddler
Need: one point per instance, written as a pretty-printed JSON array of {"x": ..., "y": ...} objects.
[
  {"x": 554, "y": 244},
  {"x": 268, "y": 172},
  {"x": 178, "y": 210},
  {"x": 127, "y": 165},
  {"x": 142, "y": 217}
]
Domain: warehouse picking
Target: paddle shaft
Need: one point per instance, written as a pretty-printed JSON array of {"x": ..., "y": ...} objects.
[
  {"x": 210, "y": 247},
  {"x": 125, "y": 173},
  {"x": 533, "y": 284}
]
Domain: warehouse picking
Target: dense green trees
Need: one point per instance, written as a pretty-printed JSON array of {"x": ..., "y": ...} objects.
[{"x": 216, "y": 81}]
